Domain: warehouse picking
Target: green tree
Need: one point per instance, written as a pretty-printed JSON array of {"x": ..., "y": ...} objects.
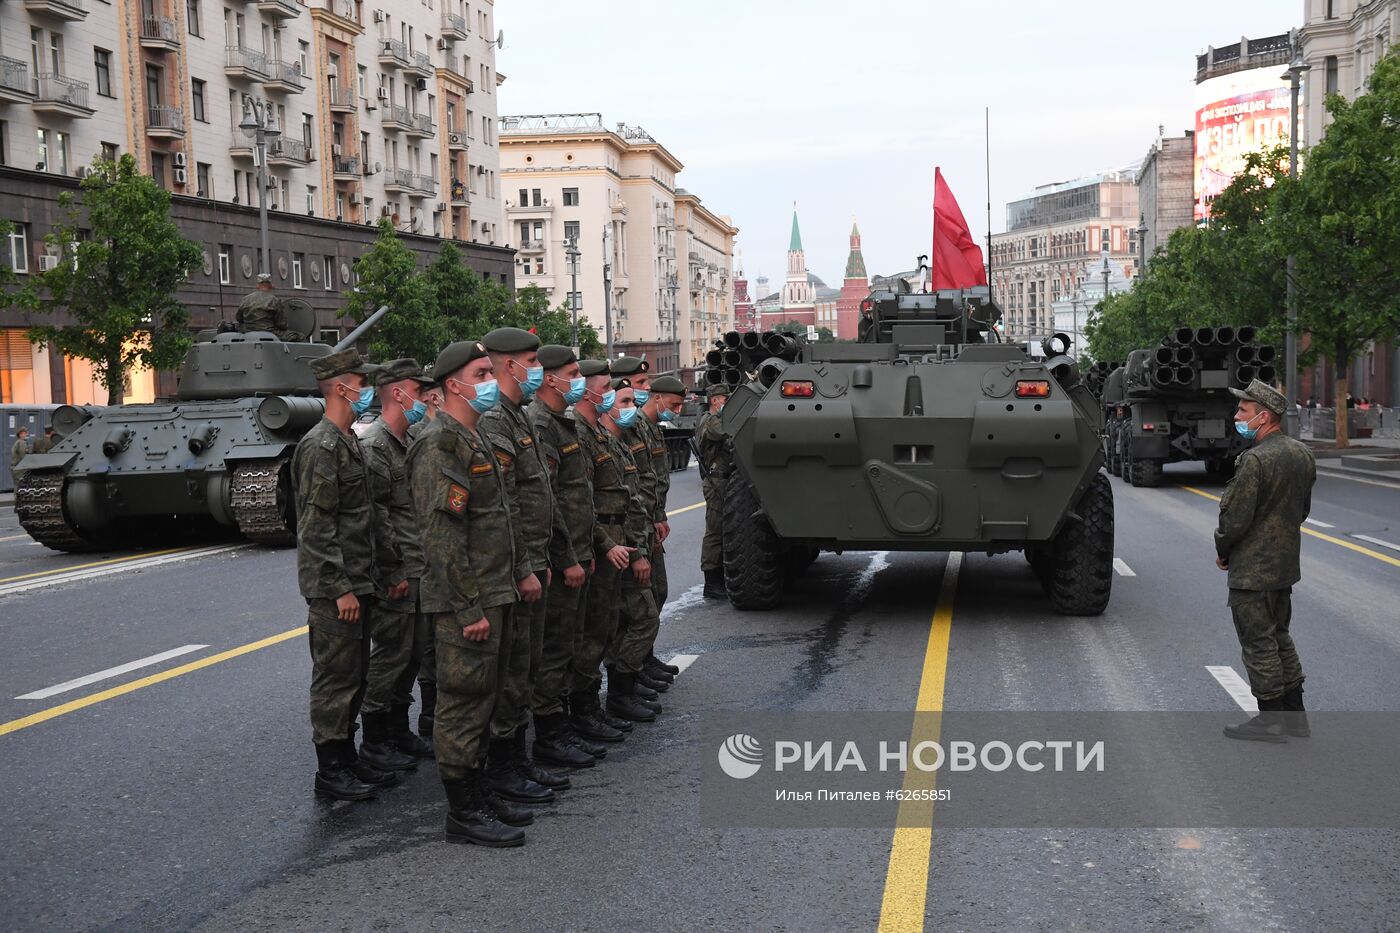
[
  {"x": 555, "y": 326},
  {"x": 471, "y": 303},
  {"x": 824, "y": 334},
  {"x": 387, "y": 274},
  {"x": 121, "y": 260},
  {"x": 1341, "y": 220}
]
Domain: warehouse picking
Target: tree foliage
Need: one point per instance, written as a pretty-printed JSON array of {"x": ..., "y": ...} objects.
[
  {"x": 824, "y": 334},
  {"x": 121, "y": 260}
]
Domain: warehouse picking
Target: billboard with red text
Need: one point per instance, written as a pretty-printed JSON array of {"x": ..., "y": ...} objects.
[{"x": 1236, "y": 114}]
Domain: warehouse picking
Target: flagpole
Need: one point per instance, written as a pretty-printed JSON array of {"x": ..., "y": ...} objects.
[{"x": 987, "y": 152}]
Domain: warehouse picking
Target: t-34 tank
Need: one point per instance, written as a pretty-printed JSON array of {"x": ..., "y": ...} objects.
[
  {"x": 216, "y": 457},
  {"x": 924, "y": 437}
]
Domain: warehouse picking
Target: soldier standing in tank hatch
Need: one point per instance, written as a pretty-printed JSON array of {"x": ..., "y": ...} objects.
[
  {"x": 335, "y": 571},
  {"x": 714, "y": 458},
  {"x": 261, "y": 310},
  {"x": 400, "y": 631},
  {"x": 468, "y": 588},
  {"x": 1258, "y": 543}
]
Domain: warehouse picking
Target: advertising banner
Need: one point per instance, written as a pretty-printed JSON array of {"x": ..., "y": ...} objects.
[{"x": 1235, "y": 115}]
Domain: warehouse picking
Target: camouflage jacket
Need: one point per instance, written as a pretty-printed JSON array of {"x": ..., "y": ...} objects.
[
  {"x": 607, "y": 465},
  {"x": 531, "y": 499},
  {"x": 711, "y": 439},
  {"x": 398, "y": 555},
  {"x": 564, "y": 457},
  {"x": 464, "y": 525},
  {"x": 639, "y": 510},
  {"x": 660, "y": 465},
  {"x": 335, "y": 539},
  {"x": 260, "y": 310},
  {"x": 1261, "y": 512},
  {"x": 18, "y": 453},
  {"x": 639, "y": 442}
]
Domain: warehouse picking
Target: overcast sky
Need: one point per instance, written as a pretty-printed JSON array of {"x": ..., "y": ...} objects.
[{"x": 847, "y": 107}]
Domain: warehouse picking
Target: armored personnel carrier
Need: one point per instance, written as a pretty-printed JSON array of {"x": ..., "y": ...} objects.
[
  {"x": 929, "y": 435},
  {"x": 216, "y": 457}
]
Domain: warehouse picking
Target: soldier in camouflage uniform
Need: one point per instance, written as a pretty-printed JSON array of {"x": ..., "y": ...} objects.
[
  {"x": 335, "y": 572},
  {"x": 261, "y": 310},
  {"x": 468, "y": 588},
  {"x": 714, "y": 459},
  {"x": 400, "y": 628},
  {"x": 1258, "y": 542},
  {"x": 431, "y": 396},
  {"x": 44, "y": 444}
]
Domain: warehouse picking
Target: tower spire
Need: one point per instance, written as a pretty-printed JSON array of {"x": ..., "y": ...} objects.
[
  {"x": 855, "y": 261},
  {"x": 795, "y": 244}
]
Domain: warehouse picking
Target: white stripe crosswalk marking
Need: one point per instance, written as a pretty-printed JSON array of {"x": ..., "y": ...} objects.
[
  {"x": 1235, "y": 686},
  {"x": 683, "y": 661},
  {"x": 1120, "y": 566}
]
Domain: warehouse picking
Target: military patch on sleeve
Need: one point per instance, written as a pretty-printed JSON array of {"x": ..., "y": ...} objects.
[
  {"x": 479, "y": 469},
  {"x": 658, "y": 451},
  {"x": 525, "y": 441},
  {"x": 630, "y": 468},
  {"x": 456, "y": 499},
  {"x": 505, "y": 459},
  {"x": 602, "y": 458},
  {"x": 637, "y": 447},
  {"x": 568, "y": 449}
]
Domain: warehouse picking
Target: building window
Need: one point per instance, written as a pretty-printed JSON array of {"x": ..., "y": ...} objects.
[
  {"x": 296, "y": 270},
  {"x": 304, "y": 56},
  {"x": 102, "y": 62},
  {"x": 158, "y": 168},
  {"x": 524, "y": 197},
  {"x": 571, "y": 197},
  {"x": 109, "y": 152},
  {"x": 225, "y": 266},
  {"x": 201, "y": 175},
  {"x": 197, "y": 100},
  {"x": 1331, "y": 73},
  {"x": 328, "y": 273},
  {"x": 570, "y": 226},
  {"x": 192, "y": 14},
  {"x": 41, "y": 164},
  {"x": 535, "y": 200},
  {"x": 19, "y": 248},
  {"x": 311, "y": 200}
]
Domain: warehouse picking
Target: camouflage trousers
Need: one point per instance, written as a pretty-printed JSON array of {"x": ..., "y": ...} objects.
[
  {"x": 339, "y": 668},
  {"x": 562, "y": 618},
  {"x": 520, "y": 658},
  {"x": 712, "y": 546},
  {"x": 638, "y": 621},
  {"x": 599, "y": 620},
  {"x": 1262, "y": 618},
  {"x": 468, "y": 689},
  {"x": 427, "y": 668},
  {"x": 395, "y": 654},
  {"x": 659, "y": 589}
]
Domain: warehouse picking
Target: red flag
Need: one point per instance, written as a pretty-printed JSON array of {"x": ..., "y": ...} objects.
[{"x": 957, "y": 259}]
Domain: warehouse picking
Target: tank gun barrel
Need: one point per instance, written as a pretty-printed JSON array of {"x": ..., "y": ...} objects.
[{"x": 350, "y": 338}]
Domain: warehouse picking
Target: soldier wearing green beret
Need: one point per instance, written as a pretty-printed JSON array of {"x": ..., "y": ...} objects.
[
  {"x": 714, "y": 457},
  {"x": 336, "y": 574},
  {"x": 1257, "y": 542}
]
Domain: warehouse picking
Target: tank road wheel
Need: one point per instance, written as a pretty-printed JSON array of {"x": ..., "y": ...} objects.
[
  {"x": 39, "y": 505},
  {"x": 261, "y": 501},
  {"x": 1081, "y": 578},
  {"x": 1146, "y": 471},
  {"x": 754, "y": 558}
]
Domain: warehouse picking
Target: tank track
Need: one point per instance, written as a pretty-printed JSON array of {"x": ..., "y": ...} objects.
[
  {"x": 39, "y": 505},
  {"x": 258, "y": 505}
]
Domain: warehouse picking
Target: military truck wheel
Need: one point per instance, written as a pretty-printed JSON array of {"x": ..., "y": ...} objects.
[
  {"x": 754, "y": 558},
  {"x": 1146, "y": 471},
  {"x": 1081, "y": 577}
]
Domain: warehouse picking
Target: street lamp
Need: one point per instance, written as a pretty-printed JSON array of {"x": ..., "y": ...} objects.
[
  {"x": 607, "y": 289},
  {"x": 571, "y": 251},
  {"x": 1105, "y": 269},
  {"x": 1294, "y": 76},
  {"x": 260, "y": 125}
]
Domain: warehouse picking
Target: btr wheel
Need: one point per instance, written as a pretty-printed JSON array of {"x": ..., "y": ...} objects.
[
  {"x": 1081, "y": 575},
  {"x": 754, "y": 558},
  {"x": 1146, "y": 471}
]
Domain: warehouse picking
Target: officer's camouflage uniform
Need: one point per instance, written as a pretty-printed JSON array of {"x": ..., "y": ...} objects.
[
  {"x": 1260, "y": 514},
  {"x": 639, "y": 612},
  {"x": 469, "y": 562},
  {"x": 335, "y": 556},
  {"x": 572, "y": 543},
  {"x": 262, "y": 311},
  {"x": 661, "y": 470},
  {"x": 711, "y": 440}
]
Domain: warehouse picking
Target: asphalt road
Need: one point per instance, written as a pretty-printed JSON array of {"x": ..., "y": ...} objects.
[{"x": 177, "y": 795}]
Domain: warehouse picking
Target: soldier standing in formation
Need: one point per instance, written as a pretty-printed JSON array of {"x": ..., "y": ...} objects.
[
  {"x": 1258, "y": 543},
  {"x": 714, "y": 461},
  {"x": 665, "y": 396}
]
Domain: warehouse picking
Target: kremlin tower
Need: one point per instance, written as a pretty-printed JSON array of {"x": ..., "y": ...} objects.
[{"x": 855, "y": 288}]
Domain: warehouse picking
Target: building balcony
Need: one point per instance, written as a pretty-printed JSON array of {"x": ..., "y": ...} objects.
[
  {"x": 392, "y": 53},
  {"x": 458, "y": 194},
  {"x": 14, "y": 80},
  {"x": 345, "y": 168},
  {"x": 241, "y": 147},
  {"x": 397, "y": 118},
  {"x": 160, "y": 33},
  {"x": 419, "y": 64},
  {"x": 544, "y": 207},
  {"x": 345, "y": 11},
  {"x": 541, "y": 280},
  {"x": 421, "y": 126},
  {"x": 454, "y": 27},
  {"x": 285, "y": 77},
  {"x": 531, "y": 246},
  {"x": 280, "y": 9},
  {"x": 456, "y": 138},
  {"x": 343, "y": 99},
  {"x": 165, "y": 122},
  {"x": 425, "y": 184},
  {"x": 289, "y": 152},
  {"x": 62, "y": 96},
  {"x": 71, "y": 10},
  {"x": 669, "y": 252},
  {"x": 398, "y": 181},
  {"x": 244, "y": 63}
]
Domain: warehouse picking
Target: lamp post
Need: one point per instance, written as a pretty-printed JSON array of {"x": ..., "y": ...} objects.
[
  {"x": 1294, "y": 76},
  {"x": 1105, "y": 270},
  {"x": 259, "y": 125},
  {"x": 572, "y": 252},
  {"x": 607, "y": 290}
]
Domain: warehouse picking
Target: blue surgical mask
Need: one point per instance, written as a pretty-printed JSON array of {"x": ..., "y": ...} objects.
[
  {"x": 666, "y": 415},
  {"x": 534, "y": 378},
  {"x": 576, "y": 390},
  {"x": 1244, "y": 430},
  {"x": 625, "y": 417},
  {"x": 488, "y": 393},
  {"x": 362, "y": 404},
  {"x": 641, "y": 396},
  {"x": 609, "y": 399},
  {"x": 417, "y": 413}
]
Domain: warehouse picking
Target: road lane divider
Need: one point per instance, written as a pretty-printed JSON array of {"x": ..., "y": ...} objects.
[
  {"x": 1234, "y": 685},
  {"x": 1317, "y": 524},
  {"x": 62, "y": 709},
  {"x": 1382, "y": 543},
  {"x": 101, "y": 568},
  {"x": 906, "y": 879},
  {"x": 110, "y": 672},
  {"x": 1120, "y": 567},
  {"x": 685, "y": 508},
  {"x": 1383, "y": 558}
]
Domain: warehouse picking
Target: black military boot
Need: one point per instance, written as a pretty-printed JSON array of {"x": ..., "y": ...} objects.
[
  {"x": 714, "y": 586},
  {"x": 582, "y": 710},
  {"x": 471, "y": 820},
  {"x": 365, "y": 771},
  {"x": 1295, "y": 719},
  {"x": 507, "y": 812},
  {"x": 1266, "y": 727},
  {"x": 552, "y": 747},
  {"x": 571, "y": 735},
  {"x": 657, "y": 671},
  {"x": 505, "y": 777},
  {"x": 335, "y": 780},
  {"x": 403, "y": 738},
  {"x": 668, "y": 668},
  {"x": 554, "y": 780},
  {"x": 427, "y": 709},
  {"x": 622, "y": 703},
  {"x": 378, "y": 749},
  {"x": 641, "y": 690},
  {"x": 654, "y": 684}
]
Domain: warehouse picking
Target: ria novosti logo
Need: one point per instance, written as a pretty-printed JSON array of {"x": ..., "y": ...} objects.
[{"x": 740, "y": 756}]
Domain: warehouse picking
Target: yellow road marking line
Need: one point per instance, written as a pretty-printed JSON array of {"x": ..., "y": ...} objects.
[
  {"x": 96, "y": 563},
  {"x": 684, "y": 508},
  {"x": 53, "y": 712},
  {"x": 906, "y": 880},
  {"x": 1384, "y": 558}
]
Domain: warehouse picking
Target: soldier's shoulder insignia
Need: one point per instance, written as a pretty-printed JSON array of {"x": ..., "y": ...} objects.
[
  {"x": 568, "y": 449},
  {"x": 456, "y": 499},
  {"x": 479, "y": 469},
  {"x": 630, "y": 468},
  {"x": 525, "y": 441},
  {"x": 638, "y": 447},
  {"x": 445, "y": 441},
  {"x": 658, "y": 451},
  {"x": 602, "y": 457}
]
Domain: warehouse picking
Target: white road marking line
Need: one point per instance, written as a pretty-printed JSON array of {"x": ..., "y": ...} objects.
[
  {"x": 1357, "y": 479},
  {"x": 1235, "y": 686},
  {"x": 683, "y": 661},
  {"x": 1394, "y": 547},
  {"x": 77, "y": 575},
  {"x": 13, "y": 538},
  {"x": 1121, "y": 567},
  {"x": 1317, "y": 524},
  {"x": 692, "y": 596},
  {"x": 109, "y": 672}
]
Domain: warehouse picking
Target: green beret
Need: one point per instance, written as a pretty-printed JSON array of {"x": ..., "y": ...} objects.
[
  {"x": 338, "y": 364},
  {"x": 510, "y": 340},
  {"x": 399, "y": 370},
  {"x": 553, "y": 356},
  {"x": 719, "y": 391},
  {"x": 621, "y": 382},
  {"x": 628, "y": 366},
  {"x": 1264, "y": 394},
  {"x": 668, "y": 384},
  {"x": 454, "y": 356},
  {"x": 593, "y": 367}
]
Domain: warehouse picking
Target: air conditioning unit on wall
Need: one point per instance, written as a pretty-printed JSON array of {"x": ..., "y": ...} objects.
[
  {"x": 181, "y": 176},
  {"x": 47, "y": 263}
]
